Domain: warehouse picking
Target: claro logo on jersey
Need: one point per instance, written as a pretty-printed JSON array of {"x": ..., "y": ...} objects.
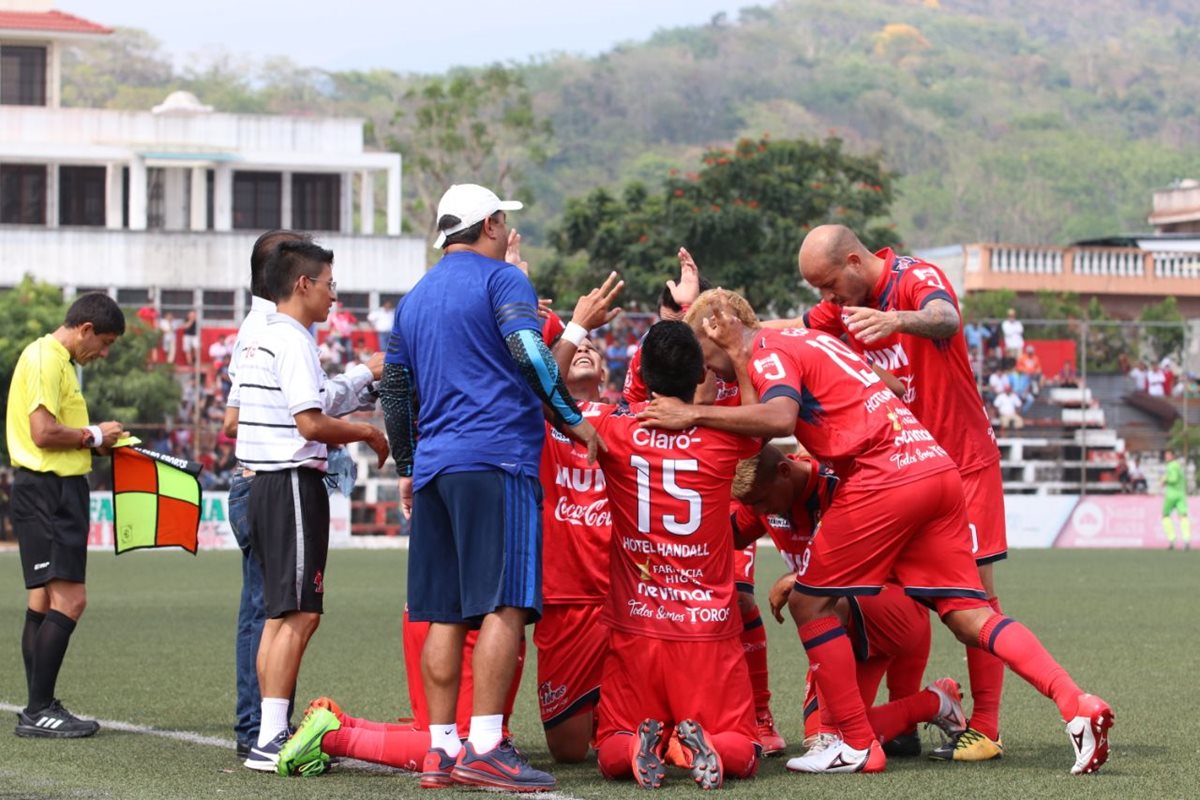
[{"x": 665, "y": 440}]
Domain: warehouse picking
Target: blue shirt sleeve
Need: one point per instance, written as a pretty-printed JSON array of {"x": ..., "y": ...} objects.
[
  {"x": 514, "y": 301},
  {"x": 396, "y": 352}
]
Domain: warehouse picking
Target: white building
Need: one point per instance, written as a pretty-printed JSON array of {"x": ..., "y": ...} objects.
[{"x": 161, "y": 206}]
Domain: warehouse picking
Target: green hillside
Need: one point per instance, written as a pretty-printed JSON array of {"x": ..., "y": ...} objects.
[{"x": 1017, "y": 120}]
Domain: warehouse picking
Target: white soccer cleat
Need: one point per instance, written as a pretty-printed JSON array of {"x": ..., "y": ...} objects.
[
  {"x": 837, "y": 756},
  {"x": 950, "y": 717},
  {"x": 1089, "y": 734}
]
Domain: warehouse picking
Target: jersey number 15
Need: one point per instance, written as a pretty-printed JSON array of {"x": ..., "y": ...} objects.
[{"x": 670, "y": 467}]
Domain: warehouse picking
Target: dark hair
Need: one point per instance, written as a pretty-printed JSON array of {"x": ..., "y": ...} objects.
[
  {"x": 666, "y": 299},
  {"x": 100, "y": 310},
  {"x": 264, "y": 248},
  {"x": 290, "y": 260},
  {"x": 468, "y": 236},
  {"x": 672, "y": 362}
]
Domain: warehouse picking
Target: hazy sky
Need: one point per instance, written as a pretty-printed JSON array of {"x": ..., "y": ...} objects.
[{"x": 402, "y": 35}]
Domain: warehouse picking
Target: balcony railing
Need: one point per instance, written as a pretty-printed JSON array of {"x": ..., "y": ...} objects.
[{"x": 1104, "y": 270}]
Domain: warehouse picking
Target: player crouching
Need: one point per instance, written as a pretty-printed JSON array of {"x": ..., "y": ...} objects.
[{"x": 671, "y": 604}]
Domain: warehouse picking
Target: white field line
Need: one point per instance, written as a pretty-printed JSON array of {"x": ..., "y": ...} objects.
[{"x": 213, "y": 741}]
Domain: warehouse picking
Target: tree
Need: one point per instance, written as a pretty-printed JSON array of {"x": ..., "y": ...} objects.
[
  {"x": 471, "y": 126},
  {"x": 742, "y": 216},
  {"x": 122, "y": 387},
  {"x": 1163, "y": 339}
]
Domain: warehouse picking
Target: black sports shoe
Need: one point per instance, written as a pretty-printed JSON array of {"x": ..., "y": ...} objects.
[
  {"x": 906, "y": 745},
  {"x": 54, "y": 722}
]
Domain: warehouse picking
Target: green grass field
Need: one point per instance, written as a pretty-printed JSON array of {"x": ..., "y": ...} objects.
[{"x": 155, "y": 649}]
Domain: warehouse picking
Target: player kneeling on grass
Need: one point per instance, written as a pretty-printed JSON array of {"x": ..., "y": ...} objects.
[
  {"x": 785, "y": 497},
  {"x": 675, "y": 657}
]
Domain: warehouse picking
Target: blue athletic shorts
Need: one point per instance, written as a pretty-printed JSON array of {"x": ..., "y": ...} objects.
[{"x": 475, "y": 545}]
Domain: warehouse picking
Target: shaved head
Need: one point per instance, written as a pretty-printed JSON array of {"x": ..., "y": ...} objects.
[{"x": 836, "y": 264}]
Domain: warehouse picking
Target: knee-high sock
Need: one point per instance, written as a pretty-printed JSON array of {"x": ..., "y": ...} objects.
[
  {"x": 394, "y": 745},
  {"x": 1169, "y": 529},
  {"x": 832, "y": 660},
  {"x": 371, "y": 725},
  {"x": 738, "y": 758},
  {"x": 49, "y": 649},
  {"x": 615, "y": 756},
  {"x": 754, "y": 645},
  {"x": 901, "y": 716},
  {"x": 33, "y": 621},
  {"x": 1017, "y": 647},
  {"x": 987, "y": 683},
  {"x": 1185, "y": 529},
  {"x": 812, "y": 707}
]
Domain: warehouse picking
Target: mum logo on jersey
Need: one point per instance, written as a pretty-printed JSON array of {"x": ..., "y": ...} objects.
[{"x": 889, "y": 358}]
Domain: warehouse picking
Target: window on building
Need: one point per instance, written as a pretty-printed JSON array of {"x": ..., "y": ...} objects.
[
  {"x": 218, "y": 304},
  {"x": 81, "y": 195},
  {"x": 257, "y": 199},
  {"x": 156, "y": 214},
  {"x": 357, "y": 303},
  {"x": 23, "y": 194},
  {"x": 133, "y": 298},
  {"x": 22, "y": 76},
  {"x": 316, "y": 201},
  {"x": 177, "y": 300}
]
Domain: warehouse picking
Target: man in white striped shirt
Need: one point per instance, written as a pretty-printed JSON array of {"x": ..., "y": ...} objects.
[{"x": 283, "y": 433}]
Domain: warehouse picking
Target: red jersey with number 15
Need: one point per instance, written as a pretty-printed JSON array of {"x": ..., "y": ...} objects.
[
  {"x": 576, "y": 523},
  {"x": 671, "y": 559},
  {"x": 939, "y": 384},
  {"x": 847, "y": 418}
]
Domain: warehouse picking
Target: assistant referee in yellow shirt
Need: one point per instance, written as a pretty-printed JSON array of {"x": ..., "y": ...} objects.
[{"x": 50, "y": 444}]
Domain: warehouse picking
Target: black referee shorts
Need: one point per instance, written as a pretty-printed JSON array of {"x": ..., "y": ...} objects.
[
  {"x": 50, "y": 517},
  {"x": 289, "y": 534}
]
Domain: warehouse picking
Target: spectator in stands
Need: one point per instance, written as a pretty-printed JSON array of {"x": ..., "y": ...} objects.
[
  {"x": 168, "y": 326},
  {"x": 1029, "y": 365},
  {"x": 1138, "y": 376},
  {"x": 1156, "y": 381},
  {"x": 381, "y": 320},
  {"x": 1169, "y": 375},
  {"x": 191, "y": 338},
  {"x": 976, "y": 334},
  {"x": 1008, "y": 405},
  {"x": 1014, "y": 334},
  {"x": 997, "y": 383}
]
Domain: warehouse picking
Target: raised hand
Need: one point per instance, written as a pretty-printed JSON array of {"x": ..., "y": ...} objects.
[
  {"x": 513, "y": 254},
  {"x": 592, "y": 310},
  {"x": 687, "y": 289}
]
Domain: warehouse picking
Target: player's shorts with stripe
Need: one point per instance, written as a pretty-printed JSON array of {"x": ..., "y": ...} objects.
[
  {"x": 571, "y": 642},
  {"x": 50, "y": 518},
  {"x": 984, "y": 492},
  {"x": 675, "y": 680},
  {"x": 289, "y": 534},
  {"x": 475, "y": 545},
  {"x": 743, "y": 568},
  {"x": 915, "y": 531}
]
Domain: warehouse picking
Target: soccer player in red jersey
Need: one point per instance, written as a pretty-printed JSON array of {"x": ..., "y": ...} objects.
[
  {"x": 785, "y": 496},
  {"x": 671, "y": 598},
  {"x": 898, "y": 512},
  {"x": 901, "y": 314},
  {"x": 570, "y": 638}
]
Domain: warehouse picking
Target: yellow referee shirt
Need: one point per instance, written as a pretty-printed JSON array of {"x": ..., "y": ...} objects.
[{"x": 46, "y": 377}]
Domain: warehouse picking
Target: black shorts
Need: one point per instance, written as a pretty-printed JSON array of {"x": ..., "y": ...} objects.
[
  {"x": 50, "y": 517},
  {"x": 289, "y": 534}
]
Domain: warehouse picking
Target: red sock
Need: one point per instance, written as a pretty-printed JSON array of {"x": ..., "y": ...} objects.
[
  {"x": 395, "y": 745},
  {"x": 368, "y": 724},
  {"x": 615, "y": 756},
  {"x": 737, "y": 754},
  {"x": 1017, "y": 647},
  {"x": 987, "y": 681},
  {"x": 902, "y": 716},
  {"x": 754, "y": 645},
  {"x": 812, "y": 708},
  {"x": 832, "y": 660}
]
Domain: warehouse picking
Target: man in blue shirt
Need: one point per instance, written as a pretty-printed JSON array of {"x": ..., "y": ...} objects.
[{"x": 466, "y": 347}]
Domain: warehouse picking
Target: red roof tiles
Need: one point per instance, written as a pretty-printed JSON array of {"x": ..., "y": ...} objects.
[{"x": 50, "y": 21}]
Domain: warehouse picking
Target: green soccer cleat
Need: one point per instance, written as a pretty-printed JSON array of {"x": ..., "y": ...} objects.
[{"x": 301, "y": 754}]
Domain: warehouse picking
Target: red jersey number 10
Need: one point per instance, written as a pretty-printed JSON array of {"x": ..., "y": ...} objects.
[{"x": 670, "y": 467}]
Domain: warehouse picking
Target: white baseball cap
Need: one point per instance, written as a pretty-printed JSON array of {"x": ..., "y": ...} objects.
[{"x": 472, "y": 204}]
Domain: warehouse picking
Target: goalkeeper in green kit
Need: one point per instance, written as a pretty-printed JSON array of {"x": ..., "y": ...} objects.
[{"x": 1175, "y": 499}]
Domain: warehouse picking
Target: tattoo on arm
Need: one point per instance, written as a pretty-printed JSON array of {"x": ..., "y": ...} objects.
[{"x": 937, "y": 320}]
